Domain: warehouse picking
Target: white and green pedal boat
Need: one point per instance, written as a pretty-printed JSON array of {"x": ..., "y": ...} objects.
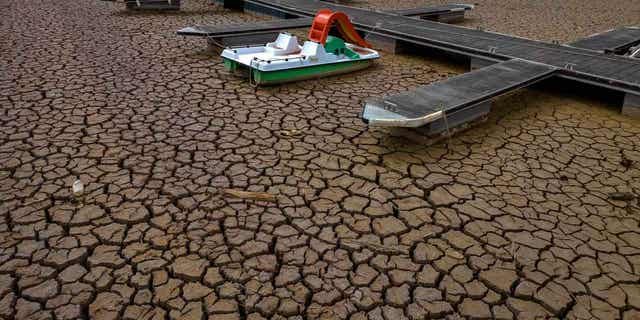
[{"x": 285, "y": 60}]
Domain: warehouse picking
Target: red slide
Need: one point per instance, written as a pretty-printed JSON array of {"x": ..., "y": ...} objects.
[{"x": 322, "y": 24}]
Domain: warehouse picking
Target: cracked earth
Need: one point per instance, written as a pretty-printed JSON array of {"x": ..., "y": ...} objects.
[{"x": 511, "y": 219}]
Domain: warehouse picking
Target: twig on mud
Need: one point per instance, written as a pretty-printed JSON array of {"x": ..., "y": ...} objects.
[
  {"x": 375, "y": 247},
  {"x": 291, "y": 134},
  {"x": 250, "y": 195},
  {"x": 622, "y": 196}
]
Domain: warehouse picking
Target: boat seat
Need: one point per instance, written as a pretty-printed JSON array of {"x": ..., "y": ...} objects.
[{"x": 284, "y": 45}]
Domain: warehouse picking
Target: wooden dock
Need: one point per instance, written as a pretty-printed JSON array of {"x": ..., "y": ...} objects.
[
  {"x": 244, "y": 34},
  {"x": 442, "y": 13},
  {"x": 245, "y": 28},
  {"x": 455, "y": 101},
  {"x": 423, "y": 12},
  {"x": 616, "y": 41},
  {"x": 588, "y": 66}
]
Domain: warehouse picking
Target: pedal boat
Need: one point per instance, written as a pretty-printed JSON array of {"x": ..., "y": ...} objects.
[{"x": 285, "y": 60}]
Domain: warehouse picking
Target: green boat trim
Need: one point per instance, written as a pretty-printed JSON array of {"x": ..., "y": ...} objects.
[
  {"x": 230, "y": 65},
  {"x": 296, "y": 74}
]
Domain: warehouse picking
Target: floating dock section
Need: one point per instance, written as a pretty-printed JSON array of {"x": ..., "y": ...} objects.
[
  {"x": 245, "y": 28},
  {"x": 448, "y": 13},
  {"x": 246, "y": 34},
  {"x": 455, "y": 101},
  {"x": 617, "y": 41}
]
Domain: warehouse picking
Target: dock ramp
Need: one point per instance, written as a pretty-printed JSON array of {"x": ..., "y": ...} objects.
[
  {"x": 616, "y": 41},
  {"x": 242, "y": 29},
  {"x": 441, "y": 13},
  {"x": 455, "y": 101}
]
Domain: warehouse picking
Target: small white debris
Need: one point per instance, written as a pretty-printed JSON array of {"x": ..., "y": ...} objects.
[{"x": 77, "y": 188}]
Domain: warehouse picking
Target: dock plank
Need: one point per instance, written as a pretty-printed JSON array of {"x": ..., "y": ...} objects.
[
  {"x": 432, "y": 10},
  {"x": 245, "y": 28},
  {"x": 615, "y": 41}
]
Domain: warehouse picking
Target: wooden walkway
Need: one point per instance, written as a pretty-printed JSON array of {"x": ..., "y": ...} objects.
[
  {"x": 455, "y": 101},
  {"x": 612, "y": 41},
  {"x": 283, "y": 24},
  {"x": 424, "y": 12},
  {"x": 245, "y": 28},
  {"x": 440, "y": 13}
]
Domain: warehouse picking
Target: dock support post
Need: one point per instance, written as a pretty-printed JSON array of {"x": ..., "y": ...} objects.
[
  {"x": 233, "y": 4},
  {"x": 151, "y": 5},
  {"x": 460, "y": 120},
  {"x": 212, "y": 45},
  {"x": 385, "y": 43},
  {"x": 452, "y": 17},
  {"x": 631, "y": 105}
]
